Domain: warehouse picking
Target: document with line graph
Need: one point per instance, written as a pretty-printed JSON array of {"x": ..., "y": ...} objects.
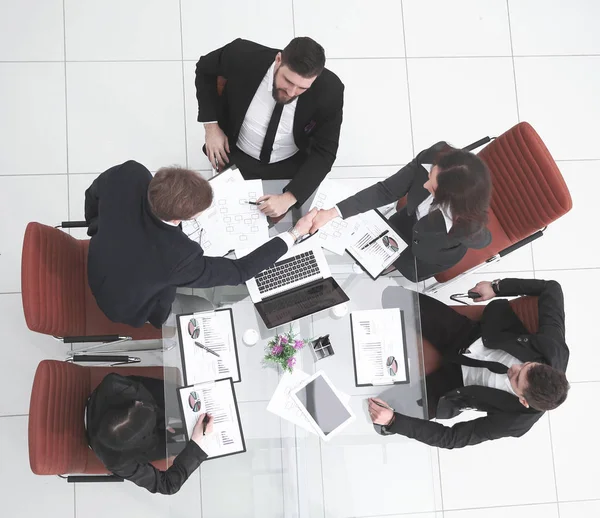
[{"x": 379, "y": 347}]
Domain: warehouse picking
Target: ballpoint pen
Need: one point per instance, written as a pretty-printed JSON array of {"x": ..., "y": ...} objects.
[
  {"x": 381, "y": 405},
  {"x": 375, "y": 239},
  {"x": 254, "y": 202},
  {"x": 202, "y": 346}
]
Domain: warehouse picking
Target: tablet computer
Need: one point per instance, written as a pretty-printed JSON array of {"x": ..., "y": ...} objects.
[{"x": 321, "y": 404}]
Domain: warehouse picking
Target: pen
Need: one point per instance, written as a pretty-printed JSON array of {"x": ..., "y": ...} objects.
[
  {"x": 254, "y": 202},
  {"x": 216, "y": 164},
  {"x": 202, "y": 346},
  {"x": 375, "y": 239},
  {"x": 304, "y": 238},
  {"x": 204, "y": 423},
  {"x": 381, "y": 405}
]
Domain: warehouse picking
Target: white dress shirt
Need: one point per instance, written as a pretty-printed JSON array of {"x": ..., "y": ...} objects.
[
  {"x": 425, "y": 205},
  {"x": 485, "y": 377},
  {"x": 256, "y": 122}
]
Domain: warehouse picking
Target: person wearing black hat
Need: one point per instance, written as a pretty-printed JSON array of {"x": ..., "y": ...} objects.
[{"x": 126, "y": 428}]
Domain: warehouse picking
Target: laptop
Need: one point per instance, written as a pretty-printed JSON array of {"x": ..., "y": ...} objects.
[{"x": 298, "y": 285}]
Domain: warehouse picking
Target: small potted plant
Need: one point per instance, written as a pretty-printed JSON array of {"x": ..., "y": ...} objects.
[{"x": 281, "y": 349}]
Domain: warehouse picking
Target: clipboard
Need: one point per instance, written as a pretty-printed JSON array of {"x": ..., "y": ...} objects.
[
  {"x": 186, "y": 342},
  {"x": 406, "y": 370},
  {"x": 185, "y": 414},
  {"x": 384, "y": 225}
]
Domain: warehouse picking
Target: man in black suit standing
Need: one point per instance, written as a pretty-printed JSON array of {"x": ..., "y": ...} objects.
[
  {"x": 278, "y": 117},
  {"x": 495, "y": 366}
]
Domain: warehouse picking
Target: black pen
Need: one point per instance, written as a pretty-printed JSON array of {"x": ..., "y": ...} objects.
[
  {"x": 204, "y": 423},
  {"x": 304, "y": 238},
  {"x": 254, "y": 202},
  {"x": 382, "y": 406},
  {"x": 202, "y": 346},
  {"x": 375, "y": 239}
]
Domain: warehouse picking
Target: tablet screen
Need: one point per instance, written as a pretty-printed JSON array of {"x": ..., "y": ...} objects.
[{"x": 323, "y": 404}]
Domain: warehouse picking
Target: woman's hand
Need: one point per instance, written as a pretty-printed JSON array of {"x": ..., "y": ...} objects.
[{"x": 322, "y": 218}]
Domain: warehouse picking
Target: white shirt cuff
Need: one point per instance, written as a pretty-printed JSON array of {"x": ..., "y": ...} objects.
[
  {"x": 210, "y": 122},
  {"x": 288, "y": 239},
  {"x": 338, "y": 211}
]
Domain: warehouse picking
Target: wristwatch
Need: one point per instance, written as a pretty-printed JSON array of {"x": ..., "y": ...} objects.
[
  {"x": 496, "y": 286},
  {"x": 385, "y": 428},
  {"x": 294, "y": 233}
]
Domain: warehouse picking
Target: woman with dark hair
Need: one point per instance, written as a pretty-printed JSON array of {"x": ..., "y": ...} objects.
[
  {"x": 448, "y": 195},
  {"x": 125, "y": 424}
]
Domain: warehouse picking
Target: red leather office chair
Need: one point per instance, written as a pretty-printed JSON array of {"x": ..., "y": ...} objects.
[
  {"x": 528, "y": 194},
  {"x": 57, "y": 439},
  {"x": 56, "y": 296},
  {"x": 524, "y": 307}
]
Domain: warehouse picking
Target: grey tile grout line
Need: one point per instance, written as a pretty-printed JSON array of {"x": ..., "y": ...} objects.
[
  {"x": 185, "y": 142},
  {"x": 553, "y": 463},
  {"x": 293, "y": 19},
  {"x": 512, "y": 57},
  {"x": 75, "y": 500},
  {"x": 14, "y": 415},
  {"x": 66, "y": 111},
  {"x": 526, "y": 56},
  {"x": 412, "y": 134}
]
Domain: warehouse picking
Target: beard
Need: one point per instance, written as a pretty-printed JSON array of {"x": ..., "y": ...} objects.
[{"x": 279, "y": 93}]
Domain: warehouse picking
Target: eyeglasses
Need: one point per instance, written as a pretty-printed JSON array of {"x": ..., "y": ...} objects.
[{"x": 390, "y": 243}]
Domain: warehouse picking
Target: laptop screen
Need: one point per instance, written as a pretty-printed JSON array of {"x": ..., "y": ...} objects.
[{"x": 300, "y": 302}]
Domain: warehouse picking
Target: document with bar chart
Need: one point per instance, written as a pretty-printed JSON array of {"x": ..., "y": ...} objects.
[
  {"x": 208, "y": 346},
  {"x": 216, "y": 398},
  {"x": 379, "y": 347}
]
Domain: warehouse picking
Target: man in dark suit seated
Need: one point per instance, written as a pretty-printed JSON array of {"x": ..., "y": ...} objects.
[
  {"x": 495, "y": 366},
  {"x": 278, "y": 117},
  {"x": 139, "y": 255},
  {"x": 126, "y": 428}
]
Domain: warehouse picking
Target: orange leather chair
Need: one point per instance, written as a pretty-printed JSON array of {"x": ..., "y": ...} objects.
[
  {"x": 524, "y": 307},
  {"x": 57, "y": 439},
  {"x": 56, "y": 296},
  {"x": 528, "y": 194}
]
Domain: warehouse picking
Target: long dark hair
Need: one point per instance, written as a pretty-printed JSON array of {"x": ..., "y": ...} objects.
[{"x": 464, "y": 187}]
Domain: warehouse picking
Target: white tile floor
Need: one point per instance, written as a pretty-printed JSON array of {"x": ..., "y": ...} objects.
[{"x": 85, "y": 84}]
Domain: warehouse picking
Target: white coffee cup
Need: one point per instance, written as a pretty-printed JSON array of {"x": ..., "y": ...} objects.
[
  {"x": 340, "y": 310},
  {"x": 250, "y": 337}
]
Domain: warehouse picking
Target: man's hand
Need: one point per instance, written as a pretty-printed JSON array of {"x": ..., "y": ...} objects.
[
  {"x": 217, "y": 145},
  {"x": 484, "y": 288},
  {"x": 382, "y": 415},
  {"x": 274, "y": 205},
  {"x": 198, "y": 433},
  {"x": 305, "y": 222},
  {"x": 322, "y": 218}
]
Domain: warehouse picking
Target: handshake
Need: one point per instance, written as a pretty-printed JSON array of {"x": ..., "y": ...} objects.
[{"x": 314, "y": 220}]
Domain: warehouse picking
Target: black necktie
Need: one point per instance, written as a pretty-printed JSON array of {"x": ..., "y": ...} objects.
[
  {"x": 267, "y": 147},
  {"x": 461, "y": 359}
]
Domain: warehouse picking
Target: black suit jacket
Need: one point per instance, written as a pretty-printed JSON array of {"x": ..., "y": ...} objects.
[
  {"x": 116, "y": 390},
  {"x": 500, "y": 329},
  {"x": 136, "y": 261},
  {"x": 431, "y": 242},
  {"x": 317, "y": 120}
]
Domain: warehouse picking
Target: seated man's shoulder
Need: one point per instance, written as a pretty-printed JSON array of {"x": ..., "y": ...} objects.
[{"x": 330, "y": 81}]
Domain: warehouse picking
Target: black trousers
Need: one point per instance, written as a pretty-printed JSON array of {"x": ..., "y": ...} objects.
[
  {"x": 407, "y": 264},
  {"x": 253, "y": 169},
  {"x": 448, "y": 332}
]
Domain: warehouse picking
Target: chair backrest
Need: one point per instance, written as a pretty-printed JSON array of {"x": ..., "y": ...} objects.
[
  {"x": 528, "y": 193},
  {"x": 53, "y": 280},
  {"x": 525, "y": 308},
  {"x": 57, "y": 439}
]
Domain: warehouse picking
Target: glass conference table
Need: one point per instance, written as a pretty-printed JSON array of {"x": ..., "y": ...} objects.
[{"x": 288, "y": 471}]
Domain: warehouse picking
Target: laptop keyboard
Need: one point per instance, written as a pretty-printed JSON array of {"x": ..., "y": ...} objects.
[{"x": 288, "y": 271}]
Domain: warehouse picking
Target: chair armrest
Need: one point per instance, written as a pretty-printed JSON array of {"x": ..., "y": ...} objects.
[
  {"x": 94, "y": 338},
  {"x": 521, "y": 243},
  {"x": 94, "y": 478},
  {"x": 115, "y": 359},
  {"x": 479, "y": 143},
  {"x": 73, "y": 224}
]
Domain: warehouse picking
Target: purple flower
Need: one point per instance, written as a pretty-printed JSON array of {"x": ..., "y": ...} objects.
[
  {"x": 277, "y": 350},
  {"x": 291, "y": 362},
  {"x": 283, "y": 339},
  {"x": 298, "y": 344}
]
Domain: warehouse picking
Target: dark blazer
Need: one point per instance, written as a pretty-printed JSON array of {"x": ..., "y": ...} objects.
[
  {"x": 136, "y": 261},
  {"x": 500, "y": 329},
  {"x": 317, "y": 120},
  {"x": 431, "y": 243},
  {"x": 116, "y": 390}
]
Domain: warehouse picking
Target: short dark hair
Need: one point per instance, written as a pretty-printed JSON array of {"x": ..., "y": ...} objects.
[
  {"x": 176, "y": 193},
  {"x": 128, "y": 427},
  {"x": 547, "y": 387},
  {"x": 464, "y": 187},
  {"x": 304, "y": 56}
]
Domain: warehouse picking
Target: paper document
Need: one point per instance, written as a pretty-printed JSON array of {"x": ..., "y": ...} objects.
[
  {"x": 379, "y": 347},
  {"x": 284, "y": 406},
  {"x": 230, "y": 222},
  {"x": 376, "y": 245},
  {"x": 337, "y": 234},
  {"x": 216, "y": 398},
  {"x": 215, "y": 331}
]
